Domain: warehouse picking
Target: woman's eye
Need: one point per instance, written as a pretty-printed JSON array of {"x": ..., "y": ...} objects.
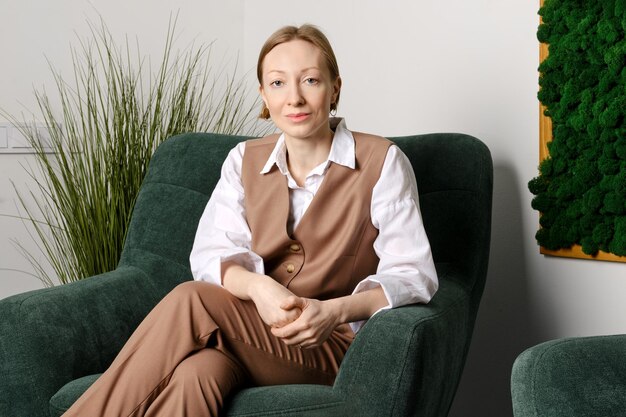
[
  {"x": 276, "y": 83},
  {"x": 311, "y": 81}
]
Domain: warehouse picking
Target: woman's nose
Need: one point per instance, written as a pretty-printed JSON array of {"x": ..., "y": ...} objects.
[{"x": 295, "y": 96}]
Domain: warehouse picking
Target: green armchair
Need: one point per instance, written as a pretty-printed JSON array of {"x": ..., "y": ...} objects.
[
  {"x": 404, "y": 362},
  {"x": 574, "y": 377}
]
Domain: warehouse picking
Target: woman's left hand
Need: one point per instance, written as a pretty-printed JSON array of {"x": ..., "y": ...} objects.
[{"x": 312, "y": 327}]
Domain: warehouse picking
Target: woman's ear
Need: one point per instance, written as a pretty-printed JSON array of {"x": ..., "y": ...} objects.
[
  {"x": 336, "y": 89},
  {"x": 262, "y": 94},
  {"x": 265, "y": 111}
]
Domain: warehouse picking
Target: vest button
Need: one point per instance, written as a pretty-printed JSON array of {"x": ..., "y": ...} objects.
[
  {"x": 294, "y": 247},
  {"x": 290, "y": 268}
]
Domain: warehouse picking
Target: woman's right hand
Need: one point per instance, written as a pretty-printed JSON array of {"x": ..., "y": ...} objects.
[{"x": 268, "y": 296}]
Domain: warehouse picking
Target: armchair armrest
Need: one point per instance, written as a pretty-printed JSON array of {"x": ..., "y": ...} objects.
[
  {"x": 51, "y": 336},
  {"x": 573, "y": 377},
  {"x": 414, "y": 352}
]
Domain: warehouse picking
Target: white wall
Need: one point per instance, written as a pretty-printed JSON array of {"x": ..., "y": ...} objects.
[{"x": 408, "y": 67}]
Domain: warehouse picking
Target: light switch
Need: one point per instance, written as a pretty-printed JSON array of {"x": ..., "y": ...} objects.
[{"x": 12, "y": 140}]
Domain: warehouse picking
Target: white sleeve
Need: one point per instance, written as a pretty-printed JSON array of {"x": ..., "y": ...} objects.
[
  {"x": 223, "y": 233},
  {"x": 406, "y": 271}
]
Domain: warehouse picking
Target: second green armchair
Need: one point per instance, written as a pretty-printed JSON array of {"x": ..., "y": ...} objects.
[{"x": 575, "y": 377}]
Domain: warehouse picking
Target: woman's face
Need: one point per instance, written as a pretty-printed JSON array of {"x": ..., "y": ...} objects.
[{"x": 298, "y": 90}]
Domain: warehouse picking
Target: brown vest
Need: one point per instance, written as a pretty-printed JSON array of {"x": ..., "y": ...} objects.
[{"x": 331, "y": 250}]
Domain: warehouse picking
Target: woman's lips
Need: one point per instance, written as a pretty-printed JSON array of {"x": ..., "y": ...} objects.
[{"x": 298, "y": 117}]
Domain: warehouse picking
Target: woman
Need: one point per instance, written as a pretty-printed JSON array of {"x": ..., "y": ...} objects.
[{"x": 307, "y": 235}]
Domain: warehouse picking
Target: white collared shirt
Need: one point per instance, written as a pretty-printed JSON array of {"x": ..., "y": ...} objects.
[{"x": 406, "y": 270}]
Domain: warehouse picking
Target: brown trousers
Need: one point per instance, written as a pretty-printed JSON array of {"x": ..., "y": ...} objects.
[{"x": 199, "y": 344}]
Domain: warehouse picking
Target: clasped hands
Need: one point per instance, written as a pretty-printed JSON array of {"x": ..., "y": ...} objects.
[{"x": 298, "y": 321}]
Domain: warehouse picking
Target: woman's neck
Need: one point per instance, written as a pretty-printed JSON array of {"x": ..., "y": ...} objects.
[{"x": 303, "y": 155}]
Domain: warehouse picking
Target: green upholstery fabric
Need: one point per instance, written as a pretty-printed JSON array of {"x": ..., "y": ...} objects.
[
  {"x": 576, "y": 377},
  {"x": 70, "y": 393},
  {"x": 404, "y": 362}
]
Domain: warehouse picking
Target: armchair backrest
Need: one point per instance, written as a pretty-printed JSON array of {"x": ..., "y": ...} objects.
[
  {"x": 180, "y": 179},
  {"x": 454, "y": 176}
]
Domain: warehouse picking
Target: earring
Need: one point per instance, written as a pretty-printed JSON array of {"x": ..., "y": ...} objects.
[{"x": 333, "y": 112}]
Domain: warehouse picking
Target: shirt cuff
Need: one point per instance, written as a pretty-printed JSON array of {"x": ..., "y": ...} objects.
[
  {"x": 398, "y": 289},
  {"x": 369, "y": 284},
  {"x": 356, "y": 325}
]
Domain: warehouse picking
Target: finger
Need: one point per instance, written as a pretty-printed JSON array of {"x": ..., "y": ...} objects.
[
  {"x": 291, "y": 341},
  {"x": 292, "y": 333},
  {"x": 302, "y": 339},
  {"x": 285, "y": 332},
  {"x": 289, "y": 316},
  {"x": 292, "y": 302},
  {"x": 309, "y": 343}
]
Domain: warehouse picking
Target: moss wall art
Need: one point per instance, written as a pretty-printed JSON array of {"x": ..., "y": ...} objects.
[{"x": 581, "y": 187}]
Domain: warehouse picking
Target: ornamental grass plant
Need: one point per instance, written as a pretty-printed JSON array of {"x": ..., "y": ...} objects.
[{"x": 111, "y": 115}]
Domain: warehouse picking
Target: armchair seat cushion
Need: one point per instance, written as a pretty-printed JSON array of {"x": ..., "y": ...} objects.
[
  {"x": 275, "y": 400},
  {"x": 69, "y": 393}
]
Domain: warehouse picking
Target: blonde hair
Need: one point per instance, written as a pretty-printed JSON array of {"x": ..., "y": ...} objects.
[{"x": 307, "y": 33}]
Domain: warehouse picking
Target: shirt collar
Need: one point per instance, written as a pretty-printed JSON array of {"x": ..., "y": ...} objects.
[{"x": 341, "y": 150}]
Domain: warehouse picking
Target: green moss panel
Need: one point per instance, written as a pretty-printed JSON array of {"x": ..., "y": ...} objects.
[{"x": 581, "y": 187}]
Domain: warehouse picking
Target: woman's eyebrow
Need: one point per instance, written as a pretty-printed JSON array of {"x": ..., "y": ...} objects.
[
  {"x": 283, "y": 72},
  {"x": 278, "y": 71}
]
